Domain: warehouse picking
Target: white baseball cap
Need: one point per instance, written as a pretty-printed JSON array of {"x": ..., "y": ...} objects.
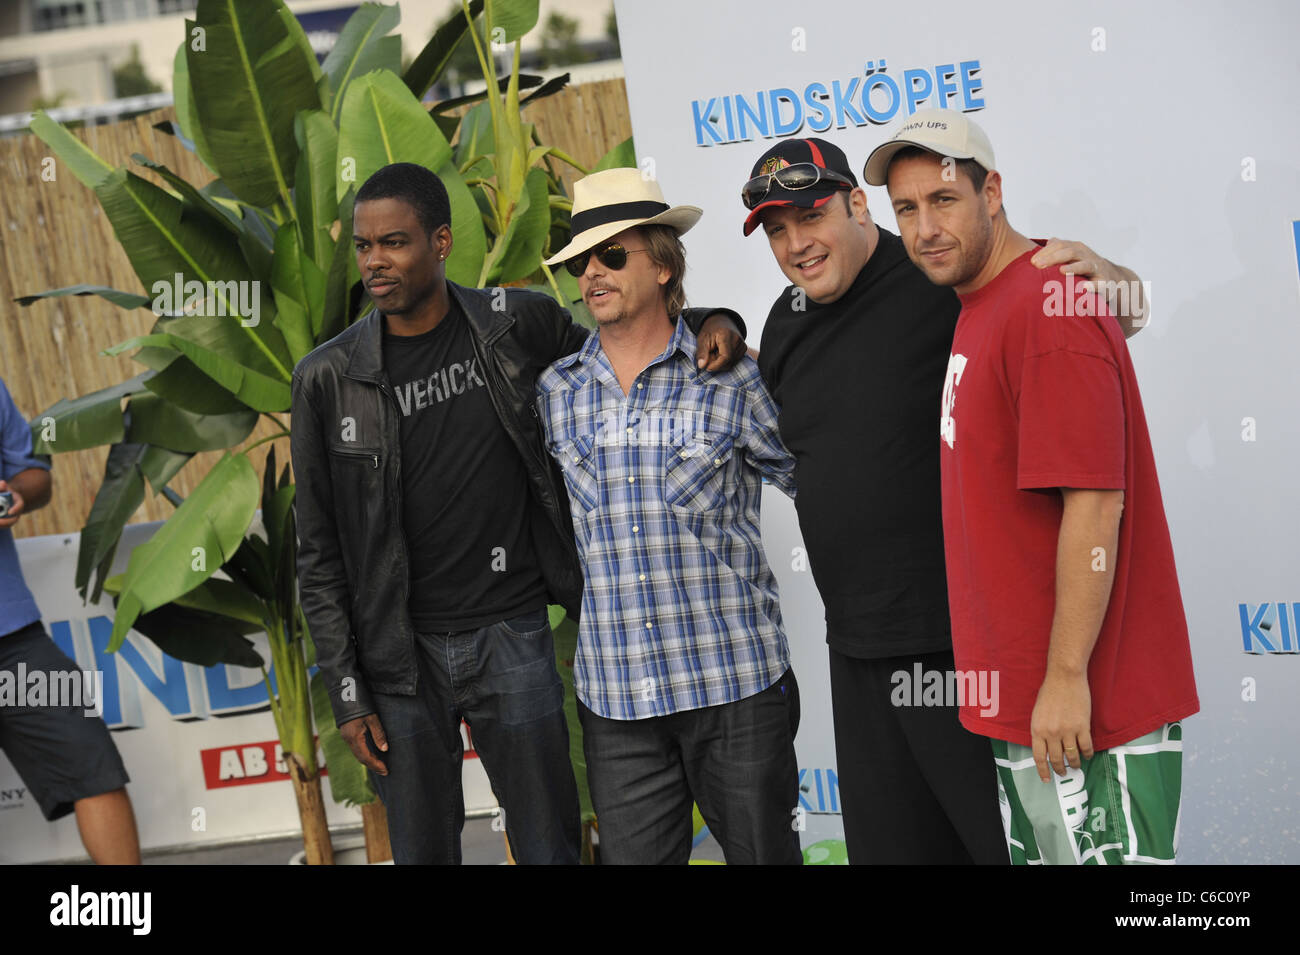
[{"x": 944, "y": 132}]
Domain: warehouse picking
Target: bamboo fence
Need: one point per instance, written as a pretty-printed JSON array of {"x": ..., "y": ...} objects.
[{"x": 53, "y": 234}]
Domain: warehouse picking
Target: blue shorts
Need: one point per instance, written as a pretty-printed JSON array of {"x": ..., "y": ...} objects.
[{"x": 61, "y": 753}]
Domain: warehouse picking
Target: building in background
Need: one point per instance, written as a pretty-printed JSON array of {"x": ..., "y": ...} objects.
[{"x": 96, "y": 60}]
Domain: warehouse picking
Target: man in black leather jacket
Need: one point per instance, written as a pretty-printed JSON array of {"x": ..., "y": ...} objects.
[{"x": 434, "y": 530}]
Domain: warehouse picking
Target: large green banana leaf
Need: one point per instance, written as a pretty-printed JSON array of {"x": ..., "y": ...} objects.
[
  {"x": 315, "y": 203},
  {"x": 86, "y": 422},
  {"x": 192, "y": 545},
  {"x": 166, "y": 246},
  {"x": 116, "y": 296},
  {"x": 80, "y": 159},
  {"x": 433, "y": 59},
  {"x": 254, "y": 72},
  {"x": 159, "y": 422},
  {"x": 121, "y": 492},
  {"x": 362, "y": 46}
]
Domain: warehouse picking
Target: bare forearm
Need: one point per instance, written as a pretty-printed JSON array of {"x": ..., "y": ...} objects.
[
  {"x": 1120, "y": 287},
  {"x": 36, "y": 487},
  {"x": 1085, "y": 572},
  {"x": 1127, "y": 301}
]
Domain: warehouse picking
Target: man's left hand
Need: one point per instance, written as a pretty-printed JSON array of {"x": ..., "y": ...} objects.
[
  {"x": 1060, "y": 725},
  {"x": 719, "y": 345},
  {"x": 16, "y": 511}
]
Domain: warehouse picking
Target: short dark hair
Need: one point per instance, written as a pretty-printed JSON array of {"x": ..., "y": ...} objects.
[
  {"x": 973, "y": 170},
  {"x": 414, "y": 185}
]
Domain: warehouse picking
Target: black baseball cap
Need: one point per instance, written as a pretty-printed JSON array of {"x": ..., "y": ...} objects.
[{"x": 789, "y": 152}]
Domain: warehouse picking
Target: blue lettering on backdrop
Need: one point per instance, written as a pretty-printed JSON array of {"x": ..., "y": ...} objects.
[
  {"x": 827, "y": 785},
  {"x": 876, "y": 98},
  {"x": 843, "y": 107},
  {"x": 704, "y": 121},
  {"x": 1295, "y": 229},
  {"x": 1258, "y": 621},
  {"x": 759, "y": 117},
  {"x": 187, "y": 691},
  {"x": 814, "y": 95},
  {"x": 778, "y": 97}
]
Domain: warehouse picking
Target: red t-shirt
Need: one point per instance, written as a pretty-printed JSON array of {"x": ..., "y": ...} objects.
[{"x": 1036, "y": 400}]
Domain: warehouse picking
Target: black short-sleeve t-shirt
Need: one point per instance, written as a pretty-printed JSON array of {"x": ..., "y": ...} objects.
[
  {"x": 464, "y": 486},
  {"x": 859, "y": 382}
]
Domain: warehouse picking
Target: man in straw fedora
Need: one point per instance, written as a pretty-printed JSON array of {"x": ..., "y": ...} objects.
[
  {"x": 682, "y": 670},
  {"x": 433, "y": 531}
]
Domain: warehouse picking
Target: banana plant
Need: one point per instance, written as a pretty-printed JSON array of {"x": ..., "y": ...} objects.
[{"x": 247, "y": 273}]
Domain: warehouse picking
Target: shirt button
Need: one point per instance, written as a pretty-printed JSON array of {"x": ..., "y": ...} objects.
[
  {"x": 631, "y": 480},
  {"x": 717, "y": 461},
  {"x": 635, "y": 528},
  {"x": 685, "y": 455},
  {"x": 639, "y": 386},
  {"x": 643, "y": 576},
  {"x": 649, "y": 625}
]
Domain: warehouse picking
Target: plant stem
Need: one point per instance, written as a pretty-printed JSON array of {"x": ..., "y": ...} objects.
[
  {"x": 269, "y": 437},
  {"x": 559, "y": 296},
  {"x": 278, "y": 422},
  {"x": 565, "y": 157}
]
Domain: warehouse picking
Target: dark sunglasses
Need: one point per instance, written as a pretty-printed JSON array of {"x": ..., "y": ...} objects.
[
  {"x": 802, "y": 175},
  {"x": 611, "y": 255}
]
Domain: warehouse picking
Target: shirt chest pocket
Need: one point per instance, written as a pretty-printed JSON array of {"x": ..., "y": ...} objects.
[
  {"x": 577, "y": 461},
  {"x": 695, "y": 475}
]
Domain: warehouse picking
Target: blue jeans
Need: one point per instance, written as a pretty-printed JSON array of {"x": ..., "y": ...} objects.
[{"x": 501, "y": 680}]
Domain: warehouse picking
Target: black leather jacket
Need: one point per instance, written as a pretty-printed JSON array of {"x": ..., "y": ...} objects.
[{"x": 353, "y": 574}]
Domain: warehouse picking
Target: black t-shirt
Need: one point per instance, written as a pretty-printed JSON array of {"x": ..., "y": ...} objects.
[
  {"x": 464, "y": 486},
  {"x": 859, "y": 383}
]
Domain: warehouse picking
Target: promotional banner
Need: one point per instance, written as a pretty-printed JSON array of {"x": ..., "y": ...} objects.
[
  {"x": 199, "y": 743},
  {"x": 1163, "y": 136}
]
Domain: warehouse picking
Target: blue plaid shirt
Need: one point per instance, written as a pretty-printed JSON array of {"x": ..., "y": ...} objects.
[{"x": 680, "y": 610}]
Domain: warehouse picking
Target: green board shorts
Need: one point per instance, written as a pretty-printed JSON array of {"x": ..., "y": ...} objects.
[{"x": 1121, "y": 807}]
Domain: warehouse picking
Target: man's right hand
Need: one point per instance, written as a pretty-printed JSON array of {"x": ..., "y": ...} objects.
[{"x": 354, "y": 734}]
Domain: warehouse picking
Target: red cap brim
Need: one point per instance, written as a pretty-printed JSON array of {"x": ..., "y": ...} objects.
[{"x": 754, "y": 219}]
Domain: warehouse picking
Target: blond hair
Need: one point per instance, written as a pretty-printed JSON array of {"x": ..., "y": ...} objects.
[{"x": 666, "y": 250}]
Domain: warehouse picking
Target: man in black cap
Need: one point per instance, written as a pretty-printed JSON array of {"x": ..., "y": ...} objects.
[{"x": 855, "y": 353}]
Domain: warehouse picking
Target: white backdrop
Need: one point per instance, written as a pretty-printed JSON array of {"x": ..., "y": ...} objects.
[{"x": 1165, "y": 136}]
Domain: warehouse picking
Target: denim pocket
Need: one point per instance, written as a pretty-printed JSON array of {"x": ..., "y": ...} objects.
[{"x": 527, "y": 625}]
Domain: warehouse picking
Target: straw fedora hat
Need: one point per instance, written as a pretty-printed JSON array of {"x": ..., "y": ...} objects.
[{"x": 607, "y": 202}]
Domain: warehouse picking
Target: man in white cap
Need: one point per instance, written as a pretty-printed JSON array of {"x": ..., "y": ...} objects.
[
  {"x": 1061, "y": 573},
  {"x": 682, "y": 671},
  {"x": 854, "y": 352}
]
